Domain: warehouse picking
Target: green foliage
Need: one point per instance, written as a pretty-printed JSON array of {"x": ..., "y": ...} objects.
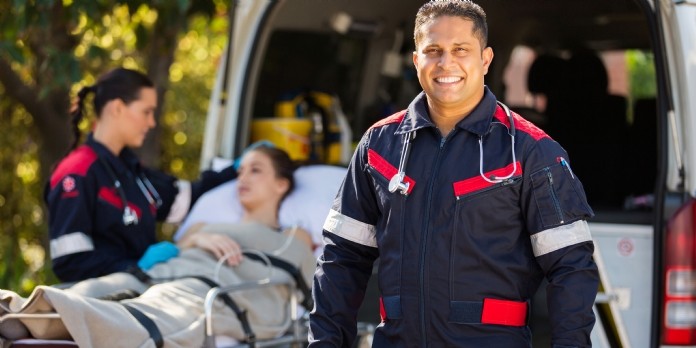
[
  {"x": 21, "y": 214},
  {"x": 642, "y": 78},
  {"x": 61, "y": 45},
  {"x": 191, "y": 77},
  {"x": 641, "y": 67}
]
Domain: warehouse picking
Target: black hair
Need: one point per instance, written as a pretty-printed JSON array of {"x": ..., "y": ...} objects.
[
  {"x": 465, "y": 9},
  {"x": 120, "y": 83}
]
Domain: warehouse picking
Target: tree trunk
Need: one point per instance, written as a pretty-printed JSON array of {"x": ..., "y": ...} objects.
[{"x": 162, "y": 47}]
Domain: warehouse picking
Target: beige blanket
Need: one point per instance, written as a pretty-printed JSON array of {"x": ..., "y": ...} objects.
[{"x": 175, "y": 306}]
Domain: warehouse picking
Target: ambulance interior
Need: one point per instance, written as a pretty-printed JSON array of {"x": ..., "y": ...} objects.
[
  {"x": 360, "y": 51},
  {"x": 582, "y": 53}
]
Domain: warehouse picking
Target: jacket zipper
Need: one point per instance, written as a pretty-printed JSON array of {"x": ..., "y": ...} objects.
[
  {"x": 554, "y": 197},
  {"x": 424, "y": 244},
  {"x": 506, "y": 182}
]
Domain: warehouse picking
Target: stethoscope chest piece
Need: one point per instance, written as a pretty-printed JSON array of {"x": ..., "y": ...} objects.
[
  {"x": 129, "y": 216},
  {"x": 397, "y": 184}
]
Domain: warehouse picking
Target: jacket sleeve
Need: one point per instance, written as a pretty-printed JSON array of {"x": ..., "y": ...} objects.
[
  {"x": 556, "y": 212},
  {"x": 71, "y": 202},
  {"x": 346, "y": 264}
]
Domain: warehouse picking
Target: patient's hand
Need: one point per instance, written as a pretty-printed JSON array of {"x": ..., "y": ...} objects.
[
  {"x": 220, "y": 246},
  {"x": 217, "y": 244}
]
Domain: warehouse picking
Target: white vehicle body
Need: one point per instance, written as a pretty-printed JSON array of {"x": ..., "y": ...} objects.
[{"x": 646, "y": 300}]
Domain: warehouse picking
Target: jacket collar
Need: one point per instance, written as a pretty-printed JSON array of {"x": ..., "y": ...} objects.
[
  {"x": 125, "y": 162},
  {"x": 478, "y": 121}
]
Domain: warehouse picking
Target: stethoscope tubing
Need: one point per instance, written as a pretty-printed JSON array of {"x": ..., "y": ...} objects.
[
  {"x": 130, "y": 217},
  {"x": 397, "y": 181}
]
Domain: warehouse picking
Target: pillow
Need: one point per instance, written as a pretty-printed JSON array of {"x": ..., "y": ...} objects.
[{"x": 307, "y": 205}]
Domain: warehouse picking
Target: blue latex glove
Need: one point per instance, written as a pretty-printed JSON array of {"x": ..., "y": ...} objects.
[
  {"x": 157, "y": 253},
  {"x": 238, "y": 160}
]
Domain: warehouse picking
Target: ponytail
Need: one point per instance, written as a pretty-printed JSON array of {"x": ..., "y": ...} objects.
[
  {"x": 120, "y": 83},
  {"x": 77, "y": 113}
]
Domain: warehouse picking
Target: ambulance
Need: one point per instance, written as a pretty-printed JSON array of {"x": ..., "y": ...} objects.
[{"x": 614, "y": 81}]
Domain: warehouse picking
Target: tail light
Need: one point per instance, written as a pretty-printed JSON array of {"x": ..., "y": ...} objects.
[{"x": 679, "y": 321}]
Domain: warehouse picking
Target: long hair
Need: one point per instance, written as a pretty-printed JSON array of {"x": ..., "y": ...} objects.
[{"x": 120, "y": 83}]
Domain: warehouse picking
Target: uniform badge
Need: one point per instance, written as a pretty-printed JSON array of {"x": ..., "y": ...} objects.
[{"x": 68, "y": 184}]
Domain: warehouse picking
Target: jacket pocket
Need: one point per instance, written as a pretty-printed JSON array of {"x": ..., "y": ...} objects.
[{"x": 557, "y": 197}]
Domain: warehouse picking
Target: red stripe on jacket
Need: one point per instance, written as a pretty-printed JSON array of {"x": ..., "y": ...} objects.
[
  {"x": 385, "y": 168},
  {"x": 394, "y": 118},
  {"x": 478, "y": 183},
  {"x": 521, "y": 124},
  {"x": 110, "y": 196},
  {"x": 77, "y": 163}
]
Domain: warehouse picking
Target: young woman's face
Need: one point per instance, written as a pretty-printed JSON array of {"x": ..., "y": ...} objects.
[
  {"x": 258, "y": 183},
  {"x": 138, "y": 117}
]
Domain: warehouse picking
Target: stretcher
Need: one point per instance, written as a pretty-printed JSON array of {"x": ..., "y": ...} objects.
[
  {"x": 296, "y": 336},
  {"x": 315, "y": 189}
]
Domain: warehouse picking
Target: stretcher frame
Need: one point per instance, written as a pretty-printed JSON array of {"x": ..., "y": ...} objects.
[{"x": 295, "y": 336}]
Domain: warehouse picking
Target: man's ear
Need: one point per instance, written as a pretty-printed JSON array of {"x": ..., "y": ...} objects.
[
  {"x": 487, "y": 56},
  {"x": 415, "y": 60}
]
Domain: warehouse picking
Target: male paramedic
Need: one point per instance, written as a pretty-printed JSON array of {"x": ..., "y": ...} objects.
[{"x": 466, "y": 204}]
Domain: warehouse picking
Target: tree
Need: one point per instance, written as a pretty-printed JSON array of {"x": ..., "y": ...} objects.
[{"x": 48, "y": 49}]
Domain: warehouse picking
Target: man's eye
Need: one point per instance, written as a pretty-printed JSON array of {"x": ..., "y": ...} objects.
[
  {"x": 432, "y": 52},
  {"x": 460, "y": 51}
]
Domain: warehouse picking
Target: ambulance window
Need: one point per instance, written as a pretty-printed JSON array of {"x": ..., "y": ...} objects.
[{"x": 596, "y": 104}]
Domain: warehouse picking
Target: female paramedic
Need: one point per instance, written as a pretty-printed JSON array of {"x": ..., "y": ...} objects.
[
  {"x": 468, "y": 207},
  {"x": 103, "y": 204}
]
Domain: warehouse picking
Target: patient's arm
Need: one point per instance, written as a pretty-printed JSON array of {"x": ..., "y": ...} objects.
[
  {"x": 222, "y": 245},
  {"x": 217, "y": 244}
]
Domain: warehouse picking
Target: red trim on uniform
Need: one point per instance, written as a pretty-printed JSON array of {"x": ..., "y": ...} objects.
[
  {"x": 76, "y": 163},
  {"x": 385, "y": 168},
  {"x": 502, "y": 312},
  {"x": 478, "y": 183},
  {"x": 395, "y": 118},
  {"x": 110, "y": 196},
  {"x": 382, "y": 311},
  {"x": 71, "y": 194},
  {"x": 521, "y": 124}
]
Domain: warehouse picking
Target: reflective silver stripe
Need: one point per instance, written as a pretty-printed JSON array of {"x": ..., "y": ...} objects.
[
  {"x": 71, "y": 243},
  {"x": 182, "y": 202},
  {"x": 351, "y": 229},
  {"x": 560, "y": 237}
]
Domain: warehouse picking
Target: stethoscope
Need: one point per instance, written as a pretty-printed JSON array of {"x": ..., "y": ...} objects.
[
  {"x": 130, "y": 217},
  {"x": 397, "y": 181}
]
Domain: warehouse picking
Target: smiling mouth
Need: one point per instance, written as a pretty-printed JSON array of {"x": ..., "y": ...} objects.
[{"x": 448, "y": 79}]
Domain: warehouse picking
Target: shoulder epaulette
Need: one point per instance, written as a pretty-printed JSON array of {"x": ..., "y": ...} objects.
[{"x": 77, "y": 162}]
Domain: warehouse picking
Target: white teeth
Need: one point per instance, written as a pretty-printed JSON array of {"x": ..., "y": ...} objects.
[{"x": 448, "y": 79}]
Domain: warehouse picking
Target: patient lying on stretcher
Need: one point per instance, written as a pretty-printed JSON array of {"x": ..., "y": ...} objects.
[{"x": 172, "y": 292}]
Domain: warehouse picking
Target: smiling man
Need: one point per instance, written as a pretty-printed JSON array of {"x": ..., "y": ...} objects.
[{"x": 468, "y": 207}]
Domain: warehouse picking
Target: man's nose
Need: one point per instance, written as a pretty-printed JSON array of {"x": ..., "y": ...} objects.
[{"x": 446, "y": 59}]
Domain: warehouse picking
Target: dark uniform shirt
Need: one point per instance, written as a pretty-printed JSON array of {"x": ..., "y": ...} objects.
[
  {"x": 89, "y": 237},
  {"x": 459, "y": 256}
]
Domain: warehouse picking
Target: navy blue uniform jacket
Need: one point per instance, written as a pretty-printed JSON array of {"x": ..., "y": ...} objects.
[{"x": 456, "y": 240}]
